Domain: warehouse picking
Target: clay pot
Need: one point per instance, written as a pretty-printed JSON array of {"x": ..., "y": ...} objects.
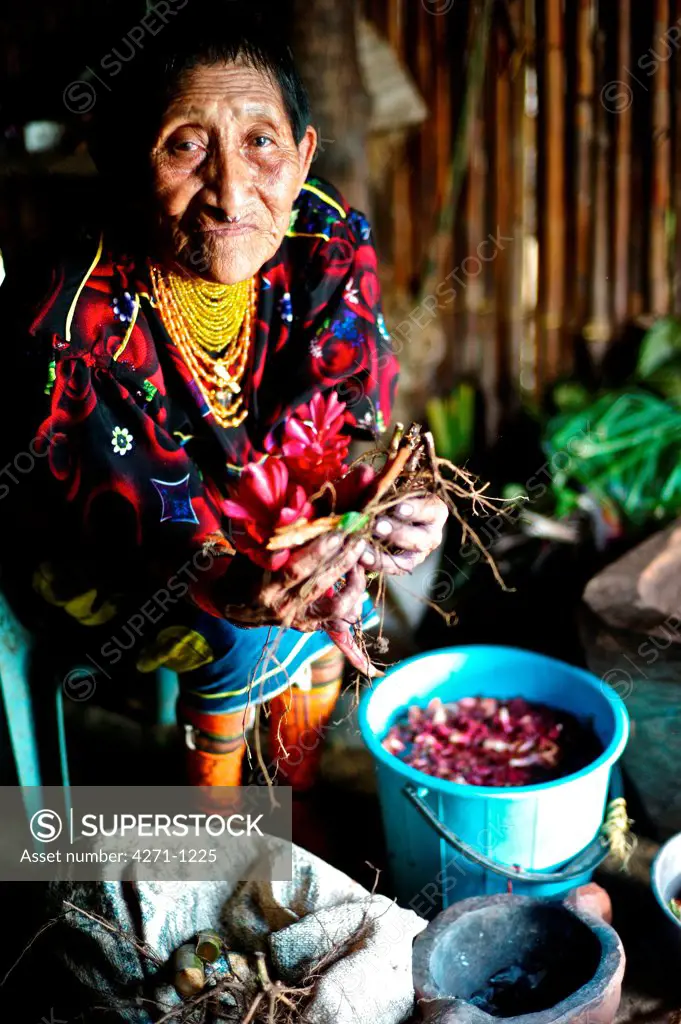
[{"x": 530, "y": 961}]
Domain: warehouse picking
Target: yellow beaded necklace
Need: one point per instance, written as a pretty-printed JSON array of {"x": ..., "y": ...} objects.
[{"x": 204, "y": 319}]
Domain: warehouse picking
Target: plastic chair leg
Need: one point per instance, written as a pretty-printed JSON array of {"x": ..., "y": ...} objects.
[
  {"x": 167, "y": 690},
  {"x": 61, "y": 739},
  {"x": 18, "y": 707}
]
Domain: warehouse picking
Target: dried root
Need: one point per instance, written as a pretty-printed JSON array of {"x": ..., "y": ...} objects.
[
  {"x": 246, "y": 994},
  {"x": 410, "y": 469}
]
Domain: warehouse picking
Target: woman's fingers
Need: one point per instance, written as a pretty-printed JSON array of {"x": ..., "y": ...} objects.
[
  {"x": 346, "y": 643},
  {"x": 407, "y": 537},
  {"x": 344, "y": 607},
  {"x": 307, "y": 577},
  {"x": 313, "y": 577},
  {"x": 422, "y": 510},
  {"x": 412, "y": 531},
  {"x": 376, "y": 560},
  {"x": 326, "y": 560}
]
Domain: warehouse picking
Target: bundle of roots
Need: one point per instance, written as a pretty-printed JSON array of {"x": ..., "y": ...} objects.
[
  {"x": 408, "y": 469},
  {"x": 216, "y": 985}
]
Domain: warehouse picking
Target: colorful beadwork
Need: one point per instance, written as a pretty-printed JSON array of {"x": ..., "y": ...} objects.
[
  {"x": 360, "y": 225},
  {"x": 149, "y": 390},
  {"x": 286, "y": 308},
  {"x": 123, "y": 307}
]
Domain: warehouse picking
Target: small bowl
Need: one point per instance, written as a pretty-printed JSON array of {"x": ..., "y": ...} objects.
[{"x": 666, "y": 876}]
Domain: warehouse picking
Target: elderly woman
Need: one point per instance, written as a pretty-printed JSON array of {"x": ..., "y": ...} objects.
[{"x": 164, "y": 354}]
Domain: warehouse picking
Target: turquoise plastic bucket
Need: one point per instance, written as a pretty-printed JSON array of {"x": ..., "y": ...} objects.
[{"x": 447, "y": 841}]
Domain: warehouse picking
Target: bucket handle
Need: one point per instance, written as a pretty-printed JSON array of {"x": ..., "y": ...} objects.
[{"x": 587, "y": 861}]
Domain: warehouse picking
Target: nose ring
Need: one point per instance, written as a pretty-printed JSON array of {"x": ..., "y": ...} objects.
[{"x": 233, "y": 220}]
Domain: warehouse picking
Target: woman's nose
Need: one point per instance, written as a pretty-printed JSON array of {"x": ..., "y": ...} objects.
[{"x": 230, "y": 181}]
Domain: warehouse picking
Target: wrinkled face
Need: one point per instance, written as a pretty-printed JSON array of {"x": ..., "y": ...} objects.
[{"x": 225, "y": 149}]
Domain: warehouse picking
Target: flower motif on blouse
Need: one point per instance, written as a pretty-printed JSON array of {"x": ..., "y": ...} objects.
[
  {"x": 121, "y": 440},
  {"x": 285, "y": 308},
  {"x": 123, "y": 307},
  {"x": 316, "y": 349},
  {"x": 366, "y": 419},
  {"x": 351, "y": 293}
]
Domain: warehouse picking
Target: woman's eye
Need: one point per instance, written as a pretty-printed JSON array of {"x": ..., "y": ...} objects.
[
  {"x": 262, "y": 141},
  {"x": 184, "y": 147}
]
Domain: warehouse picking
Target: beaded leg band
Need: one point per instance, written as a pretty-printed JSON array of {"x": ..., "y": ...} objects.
[{"x": 216, "y": 747}]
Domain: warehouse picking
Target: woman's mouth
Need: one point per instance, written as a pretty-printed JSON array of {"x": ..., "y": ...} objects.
[{"x": 229, "y": 230}]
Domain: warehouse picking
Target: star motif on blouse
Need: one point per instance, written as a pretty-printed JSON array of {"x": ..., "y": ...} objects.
[
  {"x": 316, "y": 349},
  {"x": 351, "y": 293},
  {"x": 121, "y": 440},
  {"x": 176, "y": 502}
]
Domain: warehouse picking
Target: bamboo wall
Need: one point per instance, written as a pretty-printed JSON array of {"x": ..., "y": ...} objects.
[{"x": 570, "y": 149}]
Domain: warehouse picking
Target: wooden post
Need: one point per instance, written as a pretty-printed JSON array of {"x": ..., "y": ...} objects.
[
  {"x": 661, "y": 171},
  {"x": 552, "y": 214},
  {"x": 520, "y": 152},
  {"x": 598, "y": 331},
  {"x": 423, "y": 181},
  {"x": 677, "y": 173},
  {"x": 584, "y": 130},
  {"x": 503, "y": 257},
  {"x": 403, "y": 254},
  {"x": 442, "y": 127},
  {"x": 471, "y": 296},
  {"x": 325, "y": 42},
  {"x": 442, "y": 121},
  {"x": 622, "y": 207},
  {"x": 639, "y": 90},
  {"x": 530, "y": 277}
]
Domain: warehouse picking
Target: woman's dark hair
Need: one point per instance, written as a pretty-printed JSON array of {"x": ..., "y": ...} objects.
[{"x": 171, "y": 38}]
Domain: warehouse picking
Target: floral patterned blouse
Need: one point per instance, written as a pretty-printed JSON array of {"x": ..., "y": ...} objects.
[{"x": 129, "y": 467}]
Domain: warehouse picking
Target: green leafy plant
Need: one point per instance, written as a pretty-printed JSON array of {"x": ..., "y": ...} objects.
[
  {"x": 622, "y": 449},
  {"x": 452, "y": 421},
  {"x": 659, "y": 360}
]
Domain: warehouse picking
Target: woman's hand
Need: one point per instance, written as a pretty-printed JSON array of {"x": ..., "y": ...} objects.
[
  {"x": 412, "y": 531},
  {"x": 321, "y": 587}
]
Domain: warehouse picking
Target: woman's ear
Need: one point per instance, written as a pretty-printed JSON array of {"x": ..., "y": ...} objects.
[{"x": 306, "y": 150}]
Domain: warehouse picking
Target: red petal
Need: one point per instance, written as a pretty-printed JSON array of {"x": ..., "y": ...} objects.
[
  {"x": 234, "y": 510},
  {"x": 297, "y": 431},
  {"x": 259, "y": 479}
]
